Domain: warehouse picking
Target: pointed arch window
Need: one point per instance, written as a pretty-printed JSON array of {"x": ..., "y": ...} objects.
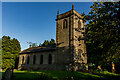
[
  {"x": 34, "y": 59},
  {"x": 79, "y": 24},
  {"x": 50, "y": 59},
  {"x": 28, "y": 58},
  {"x": 64, "y": 24},
  {"x": 22, "y": 59},
  {"x": 41, "y": 59}
]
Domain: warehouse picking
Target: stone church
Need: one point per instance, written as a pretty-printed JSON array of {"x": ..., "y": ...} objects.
[{"x": 69, "y": 53}]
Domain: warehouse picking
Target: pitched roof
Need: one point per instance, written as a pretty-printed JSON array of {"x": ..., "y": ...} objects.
[{"x": 39, "y": 49}]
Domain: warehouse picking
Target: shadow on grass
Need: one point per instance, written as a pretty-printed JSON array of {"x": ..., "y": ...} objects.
[
  {"x": 61, "y": 75},
  {"x": 26, "y": 75}
]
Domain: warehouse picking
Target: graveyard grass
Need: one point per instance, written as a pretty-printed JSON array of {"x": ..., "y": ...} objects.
[{"x": 61, "y": 75}]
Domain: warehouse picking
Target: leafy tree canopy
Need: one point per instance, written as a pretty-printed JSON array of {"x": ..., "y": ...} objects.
[
  {"x": 46, "y": 42},
  {"x": 103, "y": 33},
  {"x": 51, "y": 42},
  {"x": 10, "y": 51},
  {"x": 34, "y": 45}
]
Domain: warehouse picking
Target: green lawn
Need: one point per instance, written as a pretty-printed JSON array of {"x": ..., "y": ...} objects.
[{"x": 63, "y": 75}]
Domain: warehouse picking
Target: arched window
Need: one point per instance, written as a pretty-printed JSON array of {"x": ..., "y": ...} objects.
[
  {"x": 22, "y": 59},
  {"x": 28, "y": 60},
  {"x": 79, "y": 24},
  {"x": 64, "y": 24},
  {"x": 34, "y": 59},
  {"x": 50, "y": 59},
  {"x": 41, "y": 59}
]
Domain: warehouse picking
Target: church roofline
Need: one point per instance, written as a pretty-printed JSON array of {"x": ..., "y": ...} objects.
[
  {"x": 42, "y": 49},
  {"x": 38, "y": 49}
]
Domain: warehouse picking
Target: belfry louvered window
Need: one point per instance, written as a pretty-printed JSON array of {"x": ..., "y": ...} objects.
[{"x": 64, "y": 24}]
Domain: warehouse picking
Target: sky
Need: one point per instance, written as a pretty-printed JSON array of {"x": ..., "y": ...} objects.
[{"x": 35, "y": 21}]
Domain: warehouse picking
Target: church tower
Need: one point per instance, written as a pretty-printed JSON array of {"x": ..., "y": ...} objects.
[{"x": 70, "y": 30}]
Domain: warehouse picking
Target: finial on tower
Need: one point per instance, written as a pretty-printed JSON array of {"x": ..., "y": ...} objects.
[
  {"x": 58, "y": 12},
  {"x": 72, "y": 6}
]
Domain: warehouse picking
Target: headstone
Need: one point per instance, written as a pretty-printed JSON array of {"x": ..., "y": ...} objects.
[{"x": 7, "y": 74}]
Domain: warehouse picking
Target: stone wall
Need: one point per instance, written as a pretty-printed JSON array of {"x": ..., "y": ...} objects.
[
  {"x": 80, "y": 56},
  {"x": 62, "y": 36},
  {"x": 37, "y": 61},
  {"x": 72, "y": 36},
  {"x": 60, "y": 57}
]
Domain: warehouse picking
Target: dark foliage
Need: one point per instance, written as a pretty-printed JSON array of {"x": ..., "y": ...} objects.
[
  {"x": 51, "y": 42},
  {"x": 10, "y": 52},
  {"x": 103, "y": 34}
]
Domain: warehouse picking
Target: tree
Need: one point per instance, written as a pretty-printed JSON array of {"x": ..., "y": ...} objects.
[
  {"x": 15, "y": 47},
  {"x": 103, "y": 33},
  {"x": 34, "y": 45},
  {"x": 46, "y": 42},
  {"x": 30, "y": 44},
  {"x": 40, "y": 44},
  {"x": 10, "y": 51},
  {"x": 15, "y": 50},
  {"x": 52, "y": 42}
]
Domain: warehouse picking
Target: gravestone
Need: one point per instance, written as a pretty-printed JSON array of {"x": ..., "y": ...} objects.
[{"x": 7, "y": 74}]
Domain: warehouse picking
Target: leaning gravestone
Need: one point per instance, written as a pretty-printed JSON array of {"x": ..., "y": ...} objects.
[{"x": 7, "y": 74}]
